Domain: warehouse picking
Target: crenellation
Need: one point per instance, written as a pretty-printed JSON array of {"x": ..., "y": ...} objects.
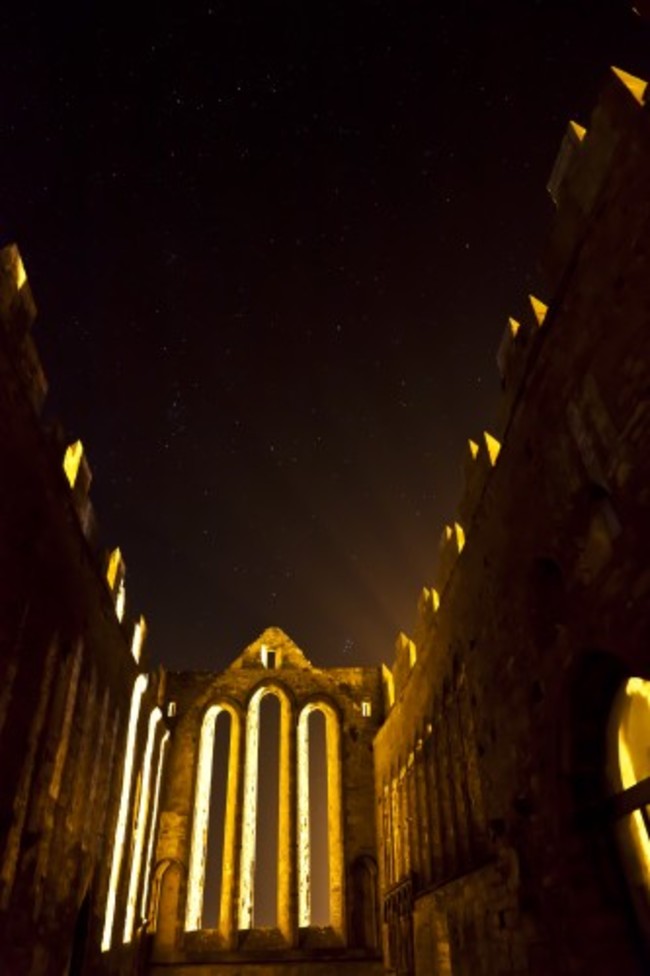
[
  {"x": 17, "y": 306},
  {"x": 450, "y": 547},
  {"x": 616, "y": 126},
  {"x": 538, "y": 308},
  {"x": 473, "y": 791},
  {"x": 405, "y": 658},
  {"x": 17, "y": 315},
  {"x": 569, "y": 147},
  {"x": 480, "y": 458},
  {"x": 513, "y": 360},
  {"x": 494, "y": 678}
]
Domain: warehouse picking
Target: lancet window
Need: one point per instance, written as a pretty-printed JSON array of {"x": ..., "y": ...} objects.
[
  {"x": 334, "y": 854},
  {"x": 201, "y": 821},
  {"x": 629, "y": 776},
  {"x": 294, "y": 817}
]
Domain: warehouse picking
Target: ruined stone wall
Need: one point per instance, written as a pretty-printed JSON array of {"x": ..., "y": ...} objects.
[
  {"x": 496, "y": 745},
  {"x": 66, "y": 675},
  {"x": 348, "y": 692}
]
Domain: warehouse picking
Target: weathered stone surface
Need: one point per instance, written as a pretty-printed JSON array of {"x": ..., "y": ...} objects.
[
  {"x": 474, "y": 817},
  {"x": 540, "y": 619}
]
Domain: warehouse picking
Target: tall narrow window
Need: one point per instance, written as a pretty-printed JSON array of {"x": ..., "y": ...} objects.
[
  {"x": 140, "y": 827},
  {"x": 217, "y": 822},
  {"x": 162, "y": 748},
  {"x": 314, "y": 861},
  {"x": 194, "y": 913},
  {"x": 265, "y": 900},
  {"x": 629, "y": 774},
  {"x": 139, "y": 689},
  {"x": 265, "y": 911}
]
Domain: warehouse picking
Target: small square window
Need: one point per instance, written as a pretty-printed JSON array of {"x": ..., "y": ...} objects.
[
  {"x": 268, "y": 658},
  {"x": 366, "y": 708}
]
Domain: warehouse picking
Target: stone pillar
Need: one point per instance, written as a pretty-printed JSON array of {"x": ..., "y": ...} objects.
[
  {"x": 423, "y": 818},
  {"x": 287, "y": 839},
  {"x": 232, "y": 835},
  {"x": 338, "y": 914}
]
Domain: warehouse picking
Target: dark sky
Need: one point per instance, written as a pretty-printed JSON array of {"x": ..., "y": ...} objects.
[{"x": 274, "y": 246}]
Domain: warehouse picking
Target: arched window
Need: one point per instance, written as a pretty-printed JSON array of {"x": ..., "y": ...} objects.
[
  {"x": 139, "y": 689},
  {"x": 165, "y": 893},
  {"x": 364, "y": 914},
  {"x": 140, "y": 827},
  {"x": 201, "y": 822},
  {"x": 153, "y": 826},
  {"x": 249, "y": 846},
  {"x": 629, "y": 776},
  {"x": 333, "y": 818}
]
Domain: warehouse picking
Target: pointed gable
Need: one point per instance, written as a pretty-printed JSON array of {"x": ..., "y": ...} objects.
[{"x": 272, "y": 650}]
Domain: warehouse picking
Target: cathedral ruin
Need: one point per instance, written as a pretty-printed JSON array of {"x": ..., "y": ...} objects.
[{"x": 486, "y": 804}]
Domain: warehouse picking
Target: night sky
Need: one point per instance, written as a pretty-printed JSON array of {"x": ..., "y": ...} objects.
[{"x": 274, "y": 247}]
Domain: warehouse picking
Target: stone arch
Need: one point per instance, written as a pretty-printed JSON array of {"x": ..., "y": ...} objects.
[
  {"x": 364, "y": 915},
  {"x": 628, "y": 776},
  {"x": 139, "y": 687},
  {"x": 594, "y": 799},
  {"x": 166, "y": 890},
  {"x": 201, "y": 818},
  {"x": 140, "y": 825},
  {"x": 286, "y": 808},
  {"x": 80, "y": 934},
  {"x": 335, "y": 822}
]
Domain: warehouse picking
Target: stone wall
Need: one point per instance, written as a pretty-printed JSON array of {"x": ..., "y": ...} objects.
[
  {"x": 496, "y": 745},
  {"x": 66, "y": 675},
  {"x": 348, "y": 693}
]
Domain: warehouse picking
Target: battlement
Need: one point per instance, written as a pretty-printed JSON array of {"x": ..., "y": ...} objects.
[
  {"x": 580, "y": 175},
  {"x": 585, "y": 160},
  {"x": 17, "y": 316}
]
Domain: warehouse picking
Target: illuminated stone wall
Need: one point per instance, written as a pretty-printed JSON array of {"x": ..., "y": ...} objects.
[
  {"x": 67, "y": 675},
  {"x": 351, "y": 701},
  {"x": 500, "y": 746},
  {"x": 487, "y": 797}
]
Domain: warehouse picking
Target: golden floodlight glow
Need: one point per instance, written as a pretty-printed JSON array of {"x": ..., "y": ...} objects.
[
  {"x": 632, "y": 740},
  {"x": 473, "y": 448},
  {"x": 492, "y": 446},
  {"x": 435, "y": 599},
  {"x": 139, "y": 689},
  {"x": 247, "y": 875},
  {"x": 144, "y": 905},
  {"x": 460, "y": 536},
  {"x": 21, "y": 274},
  {"x": 199, "y": 850},
  {"x": 141, "y": 821},
  {"x": 539, "y": 309},
  {"x": 114, "y": 563},
  {"x": 71, "y": 462},
  {"x": 638, "y": 828},
  {"x": 578, "y": 130},
  {"x": 638, "y": 687},
  {"x": 412, "y": 653},
  {"x": 389, "y": 684},
  {"x": 334, "y": 817},
  {"x": 139, "y": 634},
  {"x": 200, "y": 824},
  {"x": 120, "y": 601},
  {"x": 636, "y": 86},
  {"x": 514, "y": 327},
  {"x": 304, "y": 845}
]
